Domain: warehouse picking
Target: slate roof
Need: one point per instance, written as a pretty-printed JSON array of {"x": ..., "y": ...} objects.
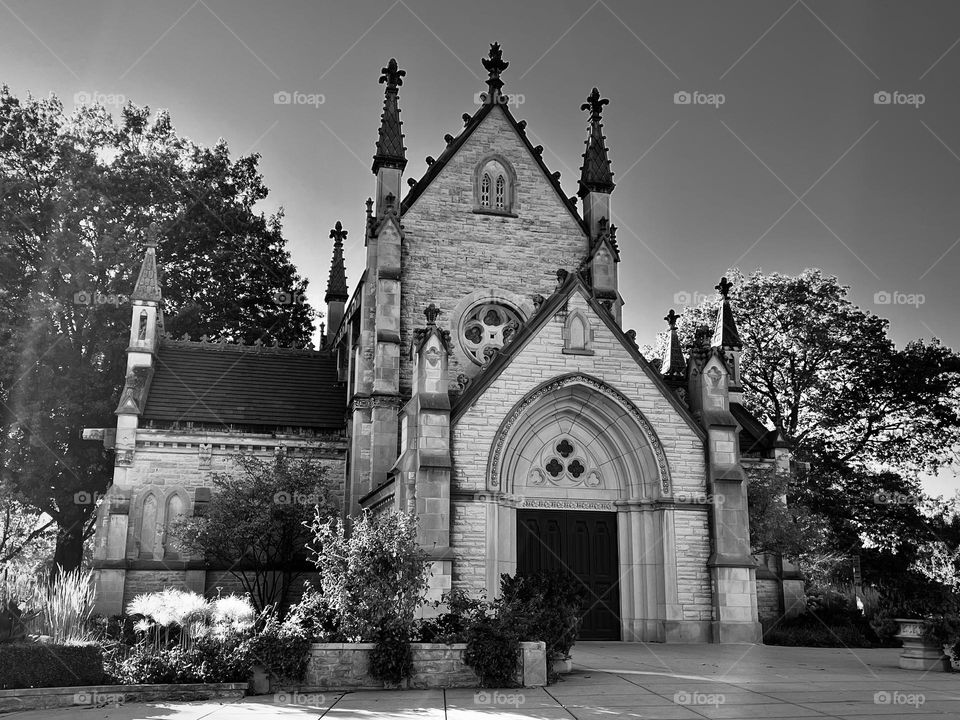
[
  {"x": 245, "y": 385},
  {"x": 755, "y": 437}
]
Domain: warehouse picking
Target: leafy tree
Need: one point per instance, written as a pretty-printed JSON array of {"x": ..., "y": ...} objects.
[
  {"x": 22, "y": 528},
  {"x": 78, "y": 194},
  {"x": 373, "y": 577},
  {"x": 256, "y": 524},
  {"x": 826, "y": 374}
]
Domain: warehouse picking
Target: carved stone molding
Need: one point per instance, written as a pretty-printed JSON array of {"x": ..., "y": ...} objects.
[
  {"x": 504, "y": 432},
  {"x": 567, "y": 504}
]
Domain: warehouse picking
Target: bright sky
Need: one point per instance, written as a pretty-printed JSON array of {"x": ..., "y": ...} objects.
[{"x": 800, "y": 166}]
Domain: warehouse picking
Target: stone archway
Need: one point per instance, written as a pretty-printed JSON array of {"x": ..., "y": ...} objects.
[{"x": 577, "y": 444}]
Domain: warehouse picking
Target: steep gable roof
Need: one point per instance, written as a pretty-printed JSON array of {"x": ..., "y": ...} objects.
[
  {"x": 471, "y": 124},
  {"x": 532, "y": 327},
  {"x": 245, "y": 385}
]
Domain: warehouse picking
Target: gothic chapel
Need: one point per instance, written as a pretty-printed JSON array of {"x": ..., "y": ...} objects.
[{"x": 508, "y": 408}]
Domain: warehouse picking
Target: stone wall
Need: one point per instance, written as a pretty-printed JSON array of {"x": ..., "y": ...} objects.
[
  {"x": 335, "y": 666},
  {"x": 450, "y": 251}
]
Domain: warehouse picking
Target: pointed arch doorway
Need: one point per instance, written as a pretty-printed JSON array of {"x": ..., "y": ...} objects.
[{"x": 583, "y": 543}]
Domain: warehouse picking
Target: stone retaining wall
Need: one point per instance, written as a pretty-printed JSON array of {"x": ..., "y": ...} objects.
[
  {"x": 90, "y": 696},
  {"x": 346, "y": 666}
]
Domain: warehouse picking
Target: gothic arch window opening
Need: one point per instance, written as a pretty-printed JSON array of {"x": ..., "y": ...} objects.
[
  {"x": 565, "y": 462},
  {"x": 176, "y": 509},
  {"x": 494, "y": 182},
  {"x": 486, "y": 329},
  {"x": 148, "y": 525}
]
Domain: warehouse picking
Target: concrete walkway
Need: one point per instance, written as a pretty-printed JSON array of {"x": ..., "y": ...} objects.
[{"x": 612, "y": 680}]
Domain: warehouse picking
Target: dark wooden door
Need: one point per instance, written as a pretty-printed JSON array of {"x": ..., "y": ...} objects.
[{"x": 585, "y": 543}]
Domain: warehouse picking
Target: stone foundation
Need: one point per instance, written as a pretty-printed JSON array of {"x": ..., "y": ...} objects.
[{"x": 92, "y": 696}]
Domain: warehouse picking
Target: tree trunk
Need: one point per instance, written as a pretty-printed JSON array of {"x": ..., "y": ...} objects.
[{"x": 68, "y": 554}]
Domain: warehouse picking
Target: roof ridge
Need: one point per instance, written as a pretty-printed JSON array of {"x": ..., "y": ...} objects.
[{"x": 254, "y": 348}]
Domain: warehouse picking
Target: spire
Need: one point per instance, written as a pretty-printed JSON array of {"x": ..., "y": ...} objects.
[
  {"x": 148, "y": 284},
  {"x": 494, "y": 65},
  {"x": 337, "y": 284},
  {"x": 673, "y": 362},
  {"x": 725, "y": 333},
  {"x": 595, "y": 173},
  {"x": 390, "y": 149}
]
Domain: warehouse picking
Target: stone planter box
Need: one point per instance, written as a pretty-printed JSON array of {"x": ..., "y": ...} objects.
[
  {"x": 104, "y": 695},
  {"x": 346, "y": 666},
  {"x": 917, "y": 653}
]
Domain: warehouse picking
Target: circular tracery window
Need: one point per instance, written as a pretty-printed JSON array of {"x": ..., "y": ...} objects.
[{"x": 486, "y": 329}]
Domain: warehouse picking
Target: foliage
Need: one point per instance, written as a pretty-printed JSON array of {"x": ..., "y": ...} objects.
[
  {"x": 211, "y": 659},
  {"x": 65, "y": 604},
  {"x": 257, "y": 523},
  {"x": 493, "y": 651},
  {"x": 453, "y": 625},
  {"x": 282, "y": 649},
  {"x": 808, "y": 631},
  {"x": 373, "y": 576},
  {"x": 391, "y": 659},
  {"x": 25, "y": 665},
  {"x": 776, "y": 525},
  {"x": 79, "y": 192},
  {"x": 545, "y": 605},
  {"x": 22, "y": 528},
  {"x": 314, "y": 617}
]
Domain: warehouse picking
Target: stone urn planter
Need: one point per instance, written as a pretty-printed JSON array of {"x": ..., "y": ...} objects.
[{"x": 918, "y": 653}]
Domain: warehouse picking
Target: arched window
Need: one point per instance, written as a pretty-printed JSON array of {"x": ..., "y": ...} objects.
[
  {"x": 148, "y": 526},
  {"x": 175, "y": 511},
  {"x": 142, "y": 329},
  {"x": 494, "y": 182},
  {"x": 577, "y": 335}
]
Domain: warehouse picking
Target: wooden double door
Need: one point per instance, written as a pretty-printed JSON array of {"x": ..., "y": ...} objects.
[{"x": 584, "y": 543}]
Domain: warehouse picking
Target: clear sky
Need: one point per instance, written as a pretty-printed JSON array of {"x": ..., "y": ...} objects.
[{"x": 799, "y": 166}]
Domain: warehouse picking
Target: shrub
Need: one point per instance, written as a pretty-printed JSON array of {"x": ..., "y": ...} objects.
[
  {"x": 807, "y": 631},
  {"x": 314, "y": 617},
  {"x": 493, "y": 651},
  {"x": 453, "y": 625},
  {"x": 545, "y": 605},
  {"x": 392, "y": 658},
  {"x": 210, "y": 660},
  {"x": 26, "y": 665},
  {"x": 282, "y": 649}
]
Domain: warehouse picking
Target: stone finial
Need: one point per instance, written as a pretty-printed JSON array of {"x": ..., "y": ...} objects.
[
  {"x": 431, "y": 312},
  {"x": 595, "y": 105},
  {"x": 671, "y": 318},
  {"x": 151, "y": 241},
  {"x": 147, "y": 287},
  {"x": 494, "y": 65},
  {"x": 562, "y": 275},
  {"x": 392, "y": 75},
  {"x": 673, "y": 364},
  {"x": 724, "y": 286},
  {"x": 595, "y": 173},
  {"x": 337, "y": 282}
]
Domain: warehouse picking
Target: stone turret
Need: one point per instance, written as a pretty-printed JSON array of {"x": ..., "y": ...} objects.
[
  {"x": 726, "y": 338},
  {"x": 390, "y": 158},
  {"x": 596, "y": 177},
  {"x": 674, "y": 365},
  {"x": 337, "y": 295}
]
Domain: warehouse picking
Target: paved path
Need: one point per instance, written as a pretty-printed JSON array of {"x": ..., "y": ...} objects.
[{"x": 620, "y": 680}]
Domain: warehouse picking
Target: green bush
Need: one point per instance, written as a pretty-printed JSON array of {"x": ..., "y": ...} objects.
[
  {"x": 26, "y": 665},
  {"x": 282, "y": 649},
  {"x": 809, "y": 631},
  {"x": 314, "y": 617},
  {"x": 545, "y": 605},
  {"x": 453, "y": 625},
  {"x": 493, "y": 651},
  {"x": 210, "y": 660},
  {"x": 392, "y": 658}
]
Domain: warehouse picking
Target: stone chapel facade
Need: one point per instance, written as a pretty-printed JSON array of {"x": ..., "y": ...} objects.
[{"x": 508, "y": 409}]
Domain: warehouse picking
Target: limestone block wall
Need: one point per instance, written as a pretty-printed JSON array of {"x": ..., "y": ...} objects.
[
  {"x": 694, "y": 593},
  {"x": 450, "y": 251}
]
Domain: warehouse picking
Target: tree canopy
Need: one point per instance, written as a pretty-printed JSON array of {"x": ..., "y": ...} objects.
[{"x": 79, "y": 193}]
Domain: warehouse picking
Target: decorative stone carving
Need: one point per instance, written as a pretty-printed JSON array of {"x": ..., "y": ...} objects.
[
  {"x": 493, "y": 469},
  {"x": 206, "y": 456},
  {"x": 567, "y": 504}
]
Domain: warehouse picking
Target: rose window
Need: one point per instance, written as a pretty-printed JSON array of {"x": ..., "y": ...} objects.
[{"x": 486, "y": 329}]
